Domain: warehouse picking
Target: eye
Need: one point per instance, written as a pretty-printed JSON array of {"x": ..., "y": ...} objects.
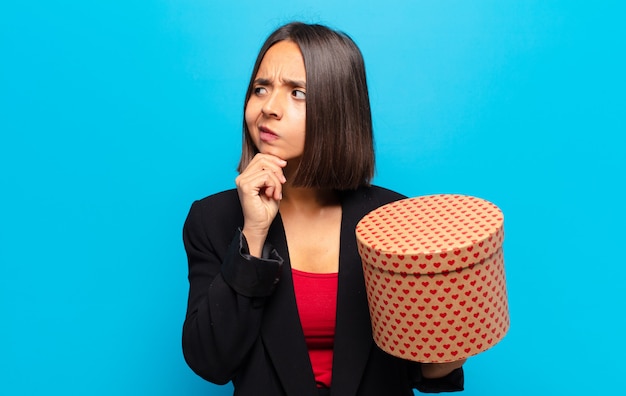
[
  {"x": 298, "y": 94},
  {"x": 260, "y": 90}
]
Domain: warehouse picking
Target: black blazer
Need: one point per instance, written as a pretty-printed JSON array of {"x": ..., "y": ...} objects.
[{"x": 242, "y": 322}]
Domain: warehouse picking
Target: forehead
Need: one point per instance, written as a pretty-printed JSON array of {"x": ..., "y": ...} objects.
[{"x": 283, "y": 58}]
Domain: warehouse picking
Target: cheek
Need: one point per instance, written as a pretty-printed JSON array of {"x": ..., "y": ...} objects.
[
  {"x": 249, "y": 115},
  {"x": 299, "y": 115}
]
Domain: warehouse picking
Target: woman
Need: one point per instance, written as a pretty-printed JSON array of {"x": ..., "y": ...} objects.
[{"x": 277, "y": 300}]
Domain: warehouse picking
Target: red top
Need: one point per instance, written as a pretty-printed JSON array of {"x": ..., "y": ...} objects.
[{"x": 316, "y": 296}]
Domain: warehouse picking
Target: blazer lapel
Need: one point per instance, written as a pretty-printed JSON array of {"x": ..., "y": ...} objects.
[
  {"x": 353, "y": 336},
  {"x": 281, "y": 330}
]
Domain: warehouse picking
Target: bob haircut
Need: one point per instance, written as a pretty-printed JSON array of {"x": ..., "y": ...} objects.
[{"x": 339, "y": 144}]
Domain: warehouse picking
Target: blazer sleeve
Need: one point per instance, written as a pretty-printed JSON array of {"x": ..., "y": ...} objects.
[{"x": 227, "y": 291}]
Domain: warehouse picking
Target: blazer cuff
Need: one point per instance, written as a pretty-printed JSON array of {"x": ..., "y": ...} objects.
[
  {"x": 248, "y": 275},
  {"x": 452, "y": 382}
]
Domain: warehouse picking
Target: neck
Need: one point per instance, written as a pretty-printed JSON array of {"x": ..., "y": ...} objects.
[
  {"x": 303, "y": 197},
  {"x": 307, "y": 200}
]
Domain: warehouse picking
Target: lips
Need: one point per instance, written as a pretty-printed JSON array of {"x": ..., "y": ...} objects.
[{"x": 266, "y": 134}]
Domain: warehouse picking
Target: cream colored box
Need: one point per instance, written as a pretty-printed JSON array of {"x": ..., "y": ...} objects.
[{"x": 434, "y": 273}]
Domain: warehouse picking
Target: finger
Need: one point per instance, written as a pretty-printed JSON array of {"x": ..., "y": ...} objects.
[
  {"x": 257, "y": 177},
  {"x": 265, "y": 161},
  {"x": 277, "y": 192},
  {"x": 260, "y": 182},
  {"x": 277, "y": 171},
  {"x": 273, "y": 187},
  {"x": 270, "y": 159},
  {"x": 252, "y": 173},
  {"x": 269, "y": 192}
]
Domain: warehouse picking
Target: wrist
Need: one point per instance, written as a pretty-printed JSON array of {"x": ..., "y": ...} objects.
[{"x": 255, "y": 241}]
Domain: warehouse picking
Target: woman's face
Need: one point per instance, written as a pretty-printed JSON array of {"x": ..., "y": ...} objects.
[{"x": 276, "y": 110}]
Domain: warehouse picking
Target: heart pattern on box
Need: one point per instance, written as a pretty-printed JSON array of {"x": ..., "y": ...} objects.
[{"x": 434, "y": 273}]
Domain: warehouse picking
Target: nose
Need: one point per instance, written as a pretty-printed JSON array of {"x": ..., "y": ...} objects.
[{"x": 273, "y": 106}]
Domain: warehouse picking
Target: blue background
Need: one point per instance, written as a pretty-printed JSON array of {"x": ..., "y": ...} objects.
[{"x": 116, "y": 115}]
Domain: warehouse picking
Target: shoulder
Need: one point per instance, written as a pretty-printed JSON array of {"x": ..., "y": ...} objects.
[
  {"x": 218, "y": 210},
  {"x": 372, "y": 196},
  {"x": 384, "y": 193},
  {"x": 357, "y": 203},
  {"x": 224, "y": 199}
]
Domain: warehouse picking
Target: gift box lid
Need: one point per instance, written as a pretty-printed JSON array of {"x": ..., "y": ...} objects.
[{"x": 431, "y": 234}]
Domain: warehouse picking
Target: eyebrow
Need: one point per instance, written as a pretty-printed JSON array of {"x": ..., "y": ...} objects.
[{"x": 289, "y": 82}]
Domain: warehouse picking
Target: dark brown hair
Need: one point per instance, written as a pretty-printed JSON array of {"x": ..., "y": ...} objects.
[{"x": 339, "y": 144}]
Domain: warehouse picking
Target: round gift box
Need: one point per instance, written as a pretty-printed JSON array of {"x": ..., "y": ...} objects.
[{"x": 434, "y": 274}]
